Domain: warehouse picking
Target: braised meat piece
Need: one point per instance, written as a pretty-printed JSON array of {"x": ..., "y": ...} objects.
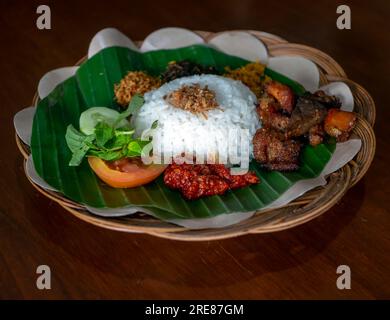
[
  {"x": 307, "y": 114},
  {"x": 270, "y": 115},
  {"x": 316, "y": 135},
  {"x": 282, "y": 94},
  {"x": 196, "y": 181},
  {"x": 286, "y": 119},
  {"x": 274, "y": 153},
  {"x": 326, "y": 100}
]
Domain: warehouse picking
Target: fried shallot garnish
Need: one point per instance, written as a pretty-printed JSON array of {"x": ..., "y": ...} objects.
[{"x": 193, "y": 98}]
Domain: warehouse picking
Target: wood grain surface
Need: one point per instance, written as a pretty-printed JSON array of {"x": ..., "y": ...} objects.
[{"x": 89, "y": 262}]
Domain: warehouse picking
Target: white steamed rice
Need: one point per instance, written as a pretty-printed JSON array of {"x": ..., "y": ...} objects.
[{"x": 181, "y": 131}]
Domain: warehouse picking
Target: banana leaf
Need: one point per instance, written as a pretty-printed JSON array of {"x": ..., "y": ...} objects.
[{"x": 92, "y": 85}]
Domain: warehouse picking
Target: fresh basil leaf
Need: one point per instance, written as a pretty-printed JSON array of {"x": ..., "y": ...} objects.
[
  {"x": 104, "y": 133},
  {"x": 135, "y": 104},
  {"x": 134, "y": 149},
  {"x": 107, "y": 155},
  {"x": 120, "y": 141},
  {"x": 81, "y": 151},
  {"x": 74, "y": 138},
  {"x": 108, "y": 142}
]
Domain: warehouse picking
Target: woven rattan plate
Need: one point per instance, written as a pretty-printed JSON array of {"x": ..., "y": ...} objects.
[{"x": 303, "y": 209}]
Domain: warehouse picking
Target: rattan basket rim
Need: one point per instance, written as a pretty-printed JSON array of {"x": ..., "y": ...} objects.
[{"x": 304, "y": 209}]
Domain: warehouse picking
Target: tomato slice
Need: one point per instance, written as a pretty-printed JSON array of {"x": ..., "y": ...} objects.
[{"x": 125, "y": 173}]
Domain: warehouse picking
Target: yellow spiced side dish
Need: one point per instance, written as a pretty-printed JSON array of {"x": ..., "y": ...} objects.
[{"x": 252, "y": 75}]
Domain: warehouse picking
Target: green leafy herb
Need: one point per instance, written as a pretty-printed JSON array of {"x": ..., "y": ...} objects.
[
  {"x": 107, "y": 155},
  {"x": 74, "y": 138},
  {"x": 78, "y": 143},
  {"x": 104, "y": 133},
  {"x": 134, "y": 148},
  {"x": 107, "y": 142},
  {"x": 135, "y": 104}
]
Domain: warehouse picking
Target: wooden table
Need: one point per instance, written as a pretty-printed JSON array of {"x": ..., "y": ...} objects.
[{"x": 89, "y": 262}]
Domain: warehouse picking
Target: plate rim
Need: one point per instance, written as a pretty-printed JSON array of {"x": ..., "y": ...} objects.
[{"x": 330, "y": 71}]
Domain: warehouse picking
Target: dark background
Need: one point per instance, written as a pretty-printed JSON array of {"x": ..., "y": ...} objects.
[{"x": 88, "y": 262}]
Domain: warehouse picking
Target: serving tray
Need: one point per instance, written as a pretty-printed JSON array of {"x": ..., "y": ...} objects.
[{"x": 301, "y": 210}]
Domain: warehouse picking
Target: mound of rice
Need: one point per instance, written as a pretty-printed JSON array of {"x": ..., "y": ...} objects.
[{"x": 180, "y": 131}]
